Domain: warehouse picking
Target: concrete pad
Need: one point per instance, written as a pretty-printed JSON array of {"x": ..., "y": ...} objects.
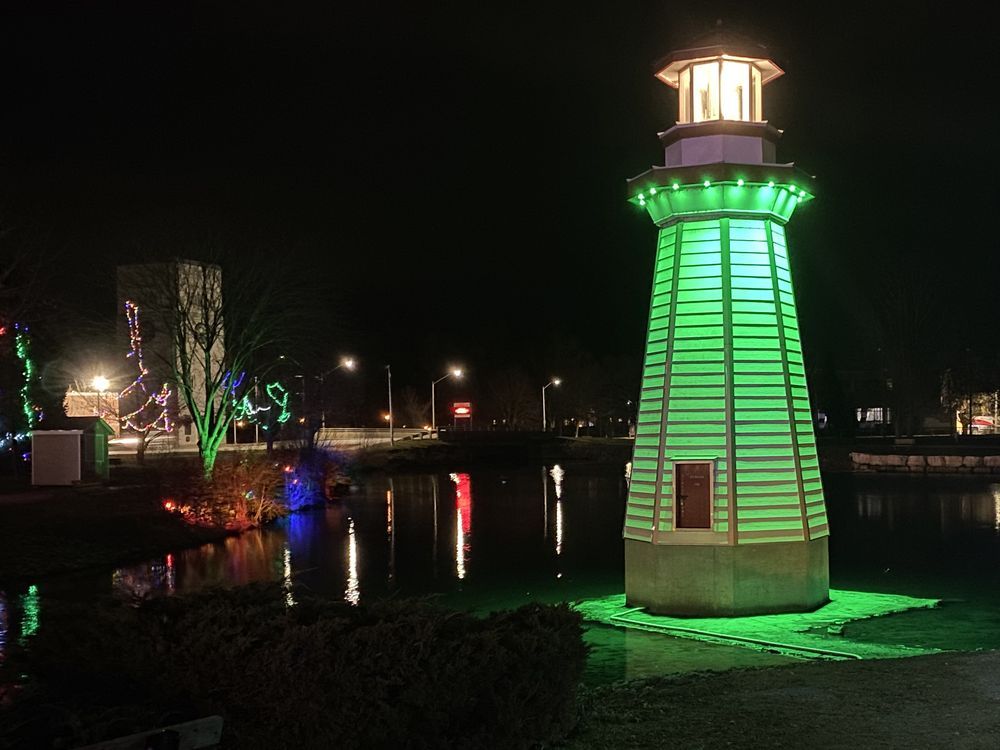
[{"x": 808, "y": 635}]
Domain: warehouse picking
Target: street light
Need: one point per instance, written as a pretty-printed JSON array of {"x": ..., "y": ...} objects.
[
  {"x": 457, "y": 373},
  {"x": 346, "y": 363},
  {"x": 101, "y": 385},
  {"x": 545, "y": 423}
]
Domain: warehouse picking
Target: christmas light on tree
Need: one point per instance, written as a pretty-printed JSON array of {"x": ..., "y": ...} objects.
[
  {"x": 22, "y": 345},
  {"x": 153, "y": 411},
  {"x": 269, "y": 417}
]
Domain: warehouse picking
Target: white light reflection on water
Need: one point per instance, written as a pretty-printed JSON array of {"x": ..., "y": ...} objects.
[
  {"x": 557, "y": 477},
  {"x": 996, "y": 509},
  {"x": 286, "y": 579},
  {"x": 557, "y": 474},
  {"x": 353, "y": 591},
  {"x": 390, "y": 528}
]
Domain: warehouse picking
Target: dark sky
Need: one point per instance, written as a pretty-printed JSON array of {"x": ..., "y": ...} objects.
[{"x": 449, "y": 180}]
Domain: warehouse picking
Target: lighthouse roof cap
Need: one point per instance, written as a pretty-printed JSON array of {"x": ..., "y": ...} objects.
[{"x": 718, "y": 44}]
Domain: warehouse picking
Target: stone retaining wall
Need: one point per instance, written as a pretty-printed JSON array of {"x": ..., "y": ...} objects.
[{"x": 894, "y": 462}]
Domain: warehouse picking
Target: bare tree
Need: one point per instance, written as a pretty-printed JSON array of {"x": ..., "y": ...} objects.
[
  {"x": 416, "y": 410},
  {"x": 144, "y": 409},
  {"x": 909, "y": 331},
  {"x": 212, "y": 335},
  {"x": 514, "y": 399}
]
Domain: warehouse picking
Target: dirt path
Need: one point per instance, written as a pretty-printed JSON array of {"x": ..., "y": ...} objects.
[{"x": 947, "y": 700}]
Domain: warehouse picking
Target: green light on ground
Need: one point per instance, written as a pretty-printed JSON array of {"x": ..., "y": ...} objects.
[{"x": 803, "y": 634}]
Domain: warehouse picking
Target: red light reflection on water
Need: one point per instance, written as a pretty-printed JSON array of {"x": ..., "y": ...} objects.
[{"x": 463, "y": 524}]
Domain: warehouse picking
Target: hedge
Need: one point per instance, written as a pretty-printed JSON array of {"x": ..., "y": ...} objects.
[{"x": 318, "y": 673}]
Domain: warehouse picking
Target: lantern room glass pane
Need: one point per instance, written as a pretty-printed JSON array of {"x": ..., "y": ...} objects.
[
  {"x": 705, "y": 82},
  {"x": 735, "y": 90},
  {"x": 684, "y": 87},
  {"x": 758, "y": 107}
]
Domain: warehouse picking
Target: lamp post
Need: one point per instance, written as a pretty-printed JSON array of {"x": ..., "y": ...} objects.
[
  {"x": 555, "y": 382},
  {"x": 101, "y": 385},
  {"x": 302, "y": 420},
  {"x": 388, "y": 375},
  {"x": 346, "y": 363},
  {"x": 456, "y": 373}
]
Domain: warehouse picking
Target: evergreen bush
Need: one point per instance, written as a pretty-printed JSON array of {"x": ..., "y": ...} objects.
[{"x": 313, "y": 674}]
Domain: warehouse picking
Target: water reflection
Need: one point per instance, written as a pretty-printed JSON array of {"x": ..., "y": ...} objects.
[
  {"x": 390, "y": 529},
  {"x": 463, "y": 521},
  {"x": 353, "y": 591},
  {"x": 557, "y": 474},
  {"x": 26, "y": 609},
  {"x": 30, "y": 614},
  {"x": 404, "y": 528},
  {"x": 286, "y": 582},
  {"x": 996, "y": 508},
  {"x": 3, "y": 626},
  {"x": 948, "y": 514}
]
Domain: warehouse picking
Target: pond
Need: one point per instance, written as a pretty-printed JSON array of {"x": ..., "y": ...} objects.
[{"x": 493, "y": 539}]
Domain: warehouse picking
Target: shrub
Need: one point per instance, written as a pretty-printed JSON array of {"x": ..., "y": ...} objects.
[
  {"x": 249, "y": 488},
  {"x": 317, "y": 674}
]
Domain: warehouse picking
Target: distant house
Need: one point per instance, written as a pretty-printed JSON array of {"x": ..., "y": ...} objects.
[{"x": 70, "y": 450}]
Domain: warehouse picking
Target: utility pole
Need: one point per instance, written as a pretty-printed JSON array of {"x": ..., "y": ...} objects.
[{"x": 388, "y": 373}]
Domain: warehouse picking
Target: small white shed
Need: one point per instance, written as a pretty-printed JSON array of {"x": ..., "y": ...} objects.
[{"x": 76, "y": 450}]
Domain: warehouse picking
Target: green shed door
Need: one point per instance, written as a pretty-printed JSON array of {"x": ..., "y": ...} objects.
[{"x": 694, "y": 495}]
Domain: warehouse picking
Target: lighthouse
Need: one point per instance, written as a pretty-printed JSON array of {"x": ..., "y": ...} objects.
[{"x": 725, "y": 513}]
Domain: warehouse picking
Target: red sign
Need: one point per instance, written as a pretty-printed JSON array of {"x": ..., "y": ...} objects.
[{"x": 462, "y": 409}]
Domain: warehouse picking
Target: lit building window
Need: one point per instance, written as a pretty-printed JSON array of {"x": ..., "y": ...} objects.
[
  {"x": 705, "y": 82},
  {"x": 734, "y": 90},
  {"x": 873, "y": 415},
  {"x": 720, "y": 88}
]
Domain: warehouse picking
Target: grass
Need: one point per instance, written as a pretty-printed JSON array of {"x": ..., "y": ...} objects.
[{"x": 944, "y": 700}]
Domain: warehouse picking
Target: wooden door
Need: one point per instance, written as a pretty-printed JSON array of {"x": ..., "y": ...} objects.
[{"x": 694, "y": 495}]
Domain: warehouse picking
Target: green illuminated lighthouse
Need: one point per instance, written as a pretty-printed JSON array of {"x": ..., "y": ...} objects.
[{"x": 725, "y": 511}]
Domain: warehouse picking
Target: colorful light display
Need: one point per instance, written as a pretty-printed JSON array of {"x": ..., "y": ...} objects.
[
  {"x": 31, "y": 411},
  {"x": 153, "y": 411},
  {"x": 725, "y": 511},
  {"x": 263, "y": 415}
]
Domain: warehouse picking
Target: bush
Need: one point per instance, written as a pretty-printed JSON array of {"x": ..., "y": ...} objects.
[
  {"x": 250, "y": 488},
  {"x": 317, "y": 674}
]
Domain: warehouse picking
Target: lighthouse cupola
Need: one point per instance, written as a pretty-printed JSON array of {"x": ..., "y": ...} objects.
[{"x": 719, "y": 82}]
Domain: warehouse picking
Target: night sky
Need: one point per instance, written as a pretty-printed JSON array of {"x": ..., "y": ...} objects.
[{"x": 448, "y": 182}]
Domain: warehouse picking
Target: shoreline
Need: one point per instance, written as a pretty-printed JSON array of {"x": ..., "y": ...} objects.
[{"x": 70, "y": 530}]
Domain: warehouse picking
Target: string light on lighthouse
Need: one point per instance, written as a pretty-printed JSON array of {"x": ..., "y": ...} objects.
[{"x": 789, "y": 192}]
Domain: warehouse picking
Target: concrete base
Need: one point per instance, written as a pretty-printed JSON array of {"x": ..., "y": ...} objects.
[{"x": 725, "y": 581}]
